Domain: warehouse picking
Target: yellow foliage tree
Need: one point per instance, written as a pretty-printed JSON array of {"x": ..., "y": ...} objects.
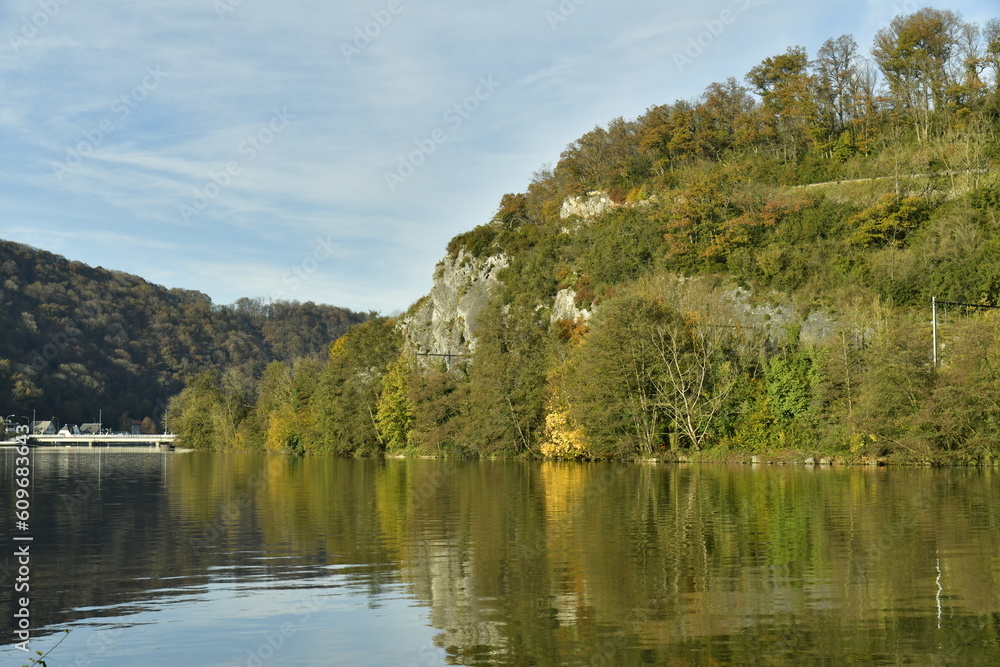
[
  {"x": 563, "y": 438},
  {"x": 285, "y": 431}
]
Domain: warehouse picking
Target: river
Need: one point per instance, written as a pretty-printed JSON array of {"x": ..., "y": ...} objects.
[{"x": 204, "y": 559}]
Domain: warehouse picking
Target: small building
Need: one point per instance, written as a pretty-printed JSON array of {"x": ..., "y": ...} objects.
[
  {"x": 43, "y": 428},
  {"x": 92, "y": 428}
]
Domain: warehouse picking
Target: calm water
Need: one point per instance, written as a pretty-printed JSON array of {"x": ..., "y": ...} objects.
[{"x": 200, "y": 559}]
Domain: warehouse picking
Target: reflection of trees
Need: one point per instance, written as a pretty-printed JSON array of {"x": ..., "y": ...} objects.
[
  {"x": 685, "y": 557},
  {"x": 556, "y": 563},
  {"x": 560, "y": 562}
]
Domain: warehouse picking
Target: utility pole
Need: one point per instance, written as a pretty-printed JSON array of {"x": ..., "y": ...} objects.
[{"x": 934, "y": 328}]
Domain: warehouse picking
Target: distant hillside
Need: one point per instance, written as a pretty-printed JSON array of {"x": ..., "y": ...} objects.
[{"x": 77, "y": 340}]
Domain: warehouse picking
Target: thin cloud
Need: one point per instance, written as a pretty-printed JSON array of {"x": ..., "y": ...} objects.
[{"x": 356, "y": 115}]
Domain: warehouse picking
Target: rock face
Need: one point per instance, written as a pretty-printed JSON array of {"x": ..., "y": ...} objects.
[
  {"x": 565, "y": 308},
  {"x": 820, "y": 328},
  {"x": 444, "y": 321},
  {"x": 772, "y": 318},
  {"x": 589, "y": 205}
]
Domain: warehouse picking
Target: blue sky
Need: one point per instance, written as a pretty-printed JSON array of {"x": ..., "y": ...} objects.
[{"x": 327, "y": 151}]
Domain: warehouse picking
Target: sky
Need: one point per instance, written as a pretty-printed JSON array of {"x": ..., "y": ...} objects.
[{"x": 326, "y": 151}]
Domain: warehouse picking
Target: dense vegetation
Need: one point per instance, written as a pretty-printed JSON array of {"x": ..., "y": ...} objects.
[
  {"x": 78, "y": 340},
  {"x": 852, "y": 187}
]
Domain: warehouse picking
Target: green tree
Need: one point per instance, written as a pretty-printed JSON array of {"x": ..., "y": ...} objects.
[
  {"x": 790, "y": 378},
  {"x": 345, "y": 402},
  {"x": 646, "y": 369},
  {"x": 507, "y": 380},
  {"x": 198, "y": 416},
  {"x": 611, "y": 377},
  {"x": 962, "y": 417},
  {"x": 888, "y": 222},
  {"x": 893, "y": 383},
  {"x": 394, "y": 413}
]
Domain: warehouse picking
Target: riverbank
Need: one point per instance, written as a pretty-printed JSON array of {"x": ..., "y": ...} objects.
[
  {"x": 819, "y": 459},
  {"x": 791, "y": 457}
]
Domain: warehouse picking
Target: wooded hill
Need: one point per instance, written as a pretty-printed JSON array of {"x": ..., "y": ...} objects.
[
  {"x": 77, "y": 340},
  {"x": 851, "y": 186}
]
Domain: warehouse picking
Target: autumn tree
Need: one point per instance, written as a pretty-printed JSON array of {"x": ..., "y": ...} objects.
[
  {"x": 605, "y": 158},
  {"x": 916, "y": 53},
  {"x": 344, "y": 405},
  {"x": 788, "y": 92},
  {"x": 667, "y": 133},
  {"x": 513, "y": 211},
  {"x": 991, "y": 37},
  {"x": 721, "y": 116},
  {"x": 394, "y": 412}
]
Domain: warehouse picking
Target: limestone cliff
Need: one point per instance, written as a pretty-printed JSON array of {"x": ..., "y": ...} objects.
[
  {"x": 444, "y": 322},
  {"x": 564, "y": 308},
  {"x": 589, "y": 205}
]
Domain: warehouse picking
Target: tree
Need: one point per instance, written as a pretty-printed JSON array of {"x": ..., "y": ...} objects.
[
  {"x": 604, "y": 158},
  {"x": 394, "y": 414},
  {"x": 149, "y": 426},
  {"x": 507, "y": 380},
  {"x": 837, "y": 71},
  {"x": 668, "y": 135},
  {"x": 344, "y": 404},
  {"x": 991, "y": 36},
  {"x": 893, "y": 384},
  {"x": 888, "y": 222},
  {"x": 647, "y": 368},
  {"x": 963, "y": 414},
  {"x": 196, "y": 415},
  {"x": 513, "y": 211},
  {"x": 720, "y": 114},
  {"x": 789, "y": 95},
  {"x": 611, "y": 381},
  {"x": 915, "y": 53},
  {"x": 698, "y": 374}
]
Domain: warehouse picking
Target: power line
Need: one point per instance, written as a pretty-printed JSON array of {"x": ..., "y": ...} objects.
[{"x": 438, "y": 354}]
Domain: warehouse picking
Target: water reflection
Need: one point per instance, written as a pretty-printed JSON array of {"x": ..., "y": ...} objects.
[{"x": 428, "y": 562}]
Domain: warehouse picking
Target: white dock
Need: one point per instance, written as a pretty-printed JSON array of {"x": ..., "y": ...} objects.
[{"x": 159, "y": 440}]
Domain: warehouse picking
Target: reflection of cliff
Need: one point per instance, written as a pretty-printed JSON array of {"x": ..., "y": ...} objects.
[{"x": 602, "y": 560}]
